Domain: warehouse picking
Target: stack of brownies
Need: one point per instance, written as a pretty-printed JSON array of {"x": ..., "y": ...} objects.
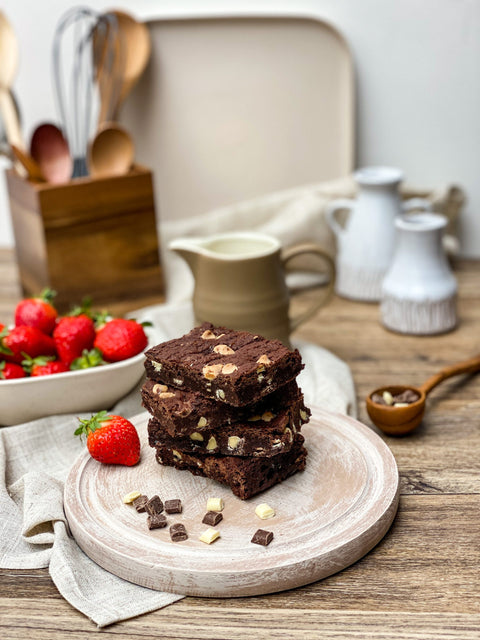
[{"x": 225, "y": 405}]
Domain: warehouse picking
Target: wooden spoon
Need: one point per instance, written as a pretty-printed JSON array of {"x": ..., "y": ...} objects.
[
  {"x": 135, "y": 40},
  {"x": 399, "y": 421},
  {"x": 8, "y": 70},
  {"x": 111, "y": 152},
  {"x": 49, "y": 149}
]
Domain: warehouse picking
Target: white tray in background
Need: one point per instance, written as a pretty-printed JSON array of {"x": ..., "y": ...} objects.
[{"x": 230, "y": 108}]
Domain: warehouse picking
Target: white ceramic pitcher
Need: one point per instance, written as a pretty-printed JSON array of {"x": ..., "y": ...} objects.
[
  {"x": 419, "y": 292},
  {"x": 365, "y": 244}
]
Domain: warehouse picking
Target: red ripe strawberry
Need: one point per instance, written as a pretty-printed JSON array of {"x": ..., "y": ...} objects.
[
  {"x": 10, "y": 370},
  {"x": 111, "y": 439},
  {"x": 44, "y": 366},
  {"x": 22, "y": 341},
  {"x": 72, "y": 335},
  {"x": 37, "y": 312},
  {"x": 120, "y": 339}
]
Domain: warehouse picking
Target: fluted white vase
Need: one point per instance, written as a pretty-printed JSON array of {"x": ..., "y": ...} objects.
[{"x": 419, "y": 291}]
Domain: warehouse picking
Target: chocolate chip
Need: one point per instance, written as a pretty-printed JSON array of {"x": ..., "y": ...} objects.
[
  {"x": 139, "y": 503},
  {"x": 173, "y": 506},
  {"x": 154, "y": 505},
  {"x": 156, "y": 521},
  {"x": 212, "y": 518},
  {"x": 408, "y": 396},
  {"x": 262, "y": 537},
  {"x": 378, "y": 399},
  {"x": 178, "y": 532}
]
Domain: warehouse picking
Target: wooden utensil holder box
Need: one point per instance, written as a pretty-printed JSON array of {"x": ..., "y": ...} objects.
[{"x": 89, "y": 237}]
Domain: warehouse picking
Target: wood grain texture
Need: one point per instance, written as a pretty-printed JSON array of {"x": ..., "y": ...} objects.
[
  {"x": 327, "y": 517},
  {"x": 94, "y": 238},
  {"x": 420, "y": 582}
]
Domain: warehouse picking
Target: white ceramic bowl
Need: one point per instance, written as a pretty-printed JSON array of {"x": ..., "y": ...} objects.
[{"x": 94, "y": 389}]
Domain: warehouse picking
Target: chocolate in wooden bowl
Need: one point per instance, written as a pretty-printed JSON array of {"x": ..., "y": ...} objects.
[{"x": 392, "y": 420}]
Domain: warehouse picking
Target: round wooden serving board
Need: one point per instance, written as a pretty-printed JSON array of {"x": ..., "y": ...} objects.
[{"x": 327, "y": 517}]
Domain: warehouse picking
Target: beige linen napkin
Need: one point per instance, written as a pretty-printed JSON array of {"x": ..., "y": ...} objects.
[{"x": 35, "y": 459}]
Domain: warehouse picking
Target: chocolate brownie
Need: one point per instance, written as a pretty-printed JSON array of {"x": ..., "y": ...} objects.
[
  {"x": 245, "y": 476},
  {"x": 184, "y": 412},
  {"x": 237, "y": 439},
  {"x": 235, "y": 367}
]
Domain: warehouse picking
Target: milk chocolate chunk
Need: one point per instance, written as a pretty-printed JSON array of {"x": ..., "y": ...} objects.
[
  {"x": 156, "y": 521},
  {"x": 262, "y": 537},
  {"x": 178, "y": 532},
  {"x": 139, "y": 503},
  {"x": 212, "y": 518},
  {"x": 256, "y": 368},
  {"x": 154, "y": 505},
  {"x": 173, "y": 506}
]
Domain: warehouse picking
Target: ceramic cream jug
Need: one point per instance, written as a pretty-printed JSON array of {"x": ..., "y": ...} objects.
[
  {"x": 365, "y": 244},
  {"x": 240, "y": 282},
  {"x": 419, "y": 292}
]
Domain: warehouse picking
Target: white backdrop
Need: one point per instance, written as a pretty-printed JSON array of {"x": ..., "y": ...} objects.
[{"x": 418, "y": 70}]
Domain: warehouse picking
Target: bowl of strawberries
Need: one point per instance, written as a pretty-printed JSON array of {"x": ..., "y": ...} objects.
[{"x": 79, "y": 362}]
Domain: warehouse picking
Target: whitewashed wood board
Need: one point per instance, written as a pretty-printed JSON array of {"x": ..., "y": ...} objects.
[{"x": 327, "y": 517}]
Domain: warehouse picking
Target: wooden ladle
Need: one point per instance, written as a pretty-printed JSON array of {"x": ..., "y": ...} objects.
[{"x": 399, "y": 421}]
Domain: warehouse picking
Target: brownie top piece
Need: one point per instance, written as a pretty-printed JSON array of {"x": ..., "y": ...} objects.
[{"x": 236, "y": 367}]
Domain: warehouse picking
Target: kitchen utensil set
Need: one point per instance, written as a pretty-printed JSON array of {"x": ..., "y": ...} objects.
[{"x": 96, "y": 59}]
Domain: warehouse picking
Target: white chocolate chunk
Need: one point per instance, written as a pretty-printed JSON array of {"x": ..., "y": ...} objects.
[
  {"x": 212, "y": 444},
  {"x": 208, "y": 335},
  {"x": 202, "y": 423},
  {"x": 264, "y": 511},
  {"x": 220, "y": 393},
  {"x": 157, "y": 365},
  {"x": 209, "y": 536},
  {"x": 223, "y": 349},
  {"x": 196, "y": 436},
  {"x": 159, "y": 388},
  {"x": 264, "y": 360},
  {"x": 178, "y": 382},
  {"x": 215, "y": 504},
  {"x": 233, "y": 442},
  {"x": 211, "y": 371},
  {"x": 388, "y": 398},
  {"x": 229, "y": 368},
  {"x": 130, "y": 497}
]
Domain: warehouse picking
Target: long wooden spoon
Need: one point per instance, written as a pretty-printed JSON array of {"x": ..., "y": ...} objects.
[
  {"x": 399, "y": 421},
  {"x": 135, "y": 40},
  {"x": 8, "y": 70}
]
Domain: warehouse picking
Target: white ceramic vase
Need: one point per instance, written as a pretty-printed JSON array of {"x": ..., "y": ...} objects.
[
  {"x": 419, "y": 292},
  {"x": 365, "y": 244}
]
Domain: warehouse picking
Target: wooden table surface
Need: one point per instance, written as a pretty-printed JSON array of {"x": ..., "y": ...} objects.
[{"x": 421, "y": 581}]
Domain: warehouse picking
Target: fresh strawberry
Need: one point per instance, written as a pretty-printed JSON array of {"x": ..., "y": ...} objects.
[
  {"x": 72, "y": 335},
  {"x": 87, "y": 360},
  {"x": 21, "y": 341},
  {"x": 44, "y": 366},
  {"x": 120, "y": 339},
  {"x": 37, "y": 312},
  {"x": 111, "y": 439},
  {"x": 10, "y": 370}
]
